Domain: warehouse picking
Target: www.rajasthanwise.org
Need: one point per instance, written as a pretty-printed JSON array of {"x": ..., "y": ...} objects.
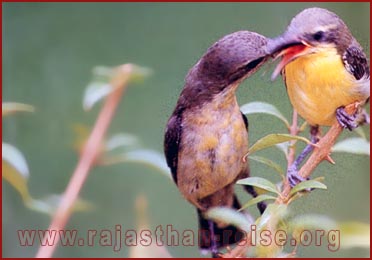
[{"x": 117, "y": 238}]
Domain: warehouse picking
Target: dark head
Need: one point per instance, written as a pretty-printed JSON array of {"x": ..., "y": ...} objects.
[
  {"x": 228, "y": 61},
  {"x": 310, "y": 31}
]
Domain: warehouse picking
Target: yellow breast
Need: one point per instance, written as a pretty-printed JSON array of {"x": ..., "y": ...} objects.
[{"x": 318, "y": 84}]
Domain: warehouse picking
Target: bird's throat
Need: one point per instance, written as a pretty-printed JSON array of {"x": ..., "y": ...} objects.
[
  {"x": 289, "y": 54},
  {"x": 318, "y": 84}
]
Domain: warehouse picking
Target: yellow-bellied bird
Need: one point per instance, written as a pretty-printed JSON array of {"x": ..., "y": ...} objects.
[
  {"x": 206, "y": 136},
  {"x": 324, "y": 69}
]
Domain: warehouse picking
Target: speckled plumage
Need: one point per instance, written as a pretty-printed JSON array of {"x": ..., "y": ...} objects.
[{"x": 206, "y": 136}]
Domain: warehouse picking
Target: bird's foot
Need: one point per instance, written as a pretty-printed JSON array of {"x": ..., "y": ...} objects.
[
  {"x": 293, "y": 177},
  {"x": 346, "y": 120}
]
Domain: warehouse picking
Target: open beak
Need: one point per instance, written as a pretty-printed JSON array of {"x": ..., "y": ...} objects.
[{"x": 288, "y": 50}]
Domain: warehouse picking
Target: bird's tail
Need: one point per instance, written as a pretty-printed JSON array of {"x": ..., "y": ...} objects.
[{"x": 212, "y": 237}]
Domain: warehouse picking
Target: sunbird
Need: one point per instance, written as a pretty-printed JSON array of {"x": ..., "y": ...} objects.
[
  {"x": 206, "y": 136},
  {"x": 324, "y": 69}
]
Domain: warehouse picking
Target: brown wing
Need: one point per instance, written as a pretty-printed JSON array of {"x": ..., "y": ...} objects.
[
  {"x": 356, "y": 61},
  {"x": 172, "y": 142},
  {"x": 245, "y": 119}
]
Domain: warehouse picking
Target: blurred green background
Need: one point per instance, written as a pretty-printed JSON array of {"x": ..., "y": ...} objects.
[{"x": 49, "y": 50}]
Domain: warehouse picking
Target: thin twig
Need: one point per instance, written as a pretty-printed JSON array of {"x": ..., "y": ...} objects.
[
  {"x": 292, "y": 149},
  {"x": 293, "y": 131},
  {"x": 324, "y": 146},
  {"x": 241, "y": 249},
  {"x": 321, "y": 152},
  {"x": 90, "y": 152}
]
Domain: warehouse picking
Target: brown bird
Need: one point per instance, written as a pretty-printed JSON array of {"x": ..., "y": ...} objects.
[
  {"x": 324, "y": 69},
  {"x": 206, "y": 136}
]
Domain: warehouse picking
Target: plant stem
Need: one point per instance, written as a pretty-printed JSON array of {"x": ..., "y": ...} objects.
[
  {"x": 324, "y": 146},
  {"x": 321, "y": 152},
  {"x": 241, "y": 249},
  {"x": 292, "y": 149},
  {"x": 87, "y": 159}
]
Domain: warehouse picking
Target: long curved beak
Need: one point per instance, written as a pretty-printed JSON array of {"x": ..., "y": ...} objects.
[
  {"x": 279, "y": 43},
  {"x": 289, "y": 48}
]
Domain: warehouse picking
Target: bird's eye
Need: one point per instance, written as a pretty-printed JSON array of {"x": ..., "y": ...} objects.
[{"x": 318, "y": 36}]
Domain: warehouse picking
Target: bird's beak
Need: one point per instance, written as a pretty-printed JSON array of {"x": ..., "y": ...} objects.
[{"x": 289, "y": 48}]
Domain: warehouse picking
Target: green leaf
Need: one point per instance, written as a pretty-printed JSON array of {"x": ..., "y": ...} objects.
[
  {"x": 142, "y": 156},
  {"x": 269, "y": 163},
  {"x": 302, "y": 127},
  {"x": 273, "y": 214},
  {"x": 15, "y": 171},
  {"x": 284, "y": 147},
  {"x": 94, "y": 92},
  {"x": 121, "y": 140},
  {"x": 354, "y": 145},
  {"x": 354, "y": 234},
  {"x": 311, "y": 222},
  {"x": 271, "y": 220},
  {"x": 16, "y": 159},
  {"x": 49, "y": 204},
  {"x": 103, "y": 72},
  {"x": 310, "y": 184},
  {"x": 256, "y": 200},
  {"x": 273, "y": 139},
  {"x": 260, "y": 183},
  {"x": 262, "y": 107},
  {"x": 13, "y": 107},
  {"x": 139, "y": 73},
  {"x": 107, "y": 79},
  {"x": 229, "y": 216},
  {"x": 17, "y": 180}
]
